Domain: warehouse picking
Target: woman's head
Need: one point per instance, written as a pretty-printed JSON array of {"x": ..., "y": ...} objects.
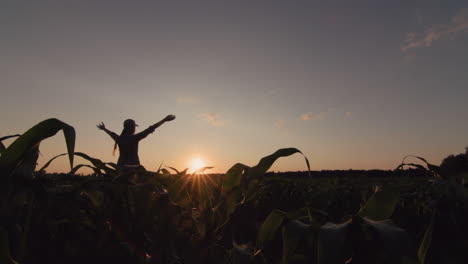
[{"x": 129, "y": 127}]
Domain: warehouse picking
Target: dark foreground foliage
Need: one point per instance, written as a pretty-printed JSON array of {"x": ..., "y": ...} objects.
[
  {"x": 243, "y": 216},
  {"x": 63, "y": 218}
]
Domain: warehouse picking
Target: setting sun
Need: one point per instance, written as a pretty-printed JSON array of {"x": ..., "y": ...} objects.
[{"x": 196, "y": 164}]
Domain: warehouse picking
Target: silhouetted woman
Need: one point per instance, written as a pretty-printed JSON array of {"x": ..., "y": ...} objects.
[{"x": 128, "y": 140}]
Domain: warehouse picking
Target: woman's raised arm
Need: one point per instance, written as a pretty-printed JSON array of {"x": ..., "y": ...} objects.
[
  {"x": 151, "y": 128},
  {"x": 166, "y": 119},
  {"x": 113, "y": 135}
]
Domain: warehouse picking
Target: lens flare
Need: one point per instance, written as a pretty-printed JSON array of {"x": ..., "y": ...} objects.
[{"x": 196, "y": 164}]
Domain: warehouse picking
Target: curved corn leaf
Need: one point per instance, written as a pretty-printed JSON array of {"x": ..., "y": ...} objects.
[
  {"x": 108, "y": 167},
  {"x": 174, "y": 169},
  {"x": 15, "y": 153},
  {"x": 164, "y": 171},
  {"x": 159, "y": 168},
  {"x": 98, "y": 164},
  {"x": 266, "y": 162},
  {"x": 418, "y": 166},
  {"x": 232, "y": 200},
  {"x": 112, "y": 165},
  {"x": 79, "y": 166},
  {"x": 380, "y": 205},
  {"x": 202, "y": 170},
  {"x": 233, "y": 177},
  {"x": 10, "y": 136},
  {"x": 269, "y": 228},
  {"x": 231, "y": 194},
  {"x": 2, "y": 147},
  {"x": 47, "y": 164},
  {"x": 432, "y": 168},
  {"x": 332, "y": 244},
  {"x": 255, "y": 174}
]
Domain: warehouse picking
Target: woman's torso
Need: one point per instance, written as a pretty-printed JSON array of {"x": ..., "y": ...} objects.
[{"x": 128, "y": 149}]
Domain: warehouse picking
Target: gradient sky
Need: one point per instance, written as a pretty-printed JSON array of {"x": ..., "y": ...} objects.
[{"x": 353, "y": 84}]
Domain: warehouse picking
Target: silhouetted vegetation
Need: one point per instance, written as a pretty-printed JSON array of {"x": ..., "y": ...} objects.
[{"x": 246, "y": 215}]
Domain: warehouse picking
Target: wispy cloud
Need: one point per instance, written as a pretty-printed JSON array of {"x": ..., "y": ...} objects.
[
  {"x": 214, "y": 119},
  {"x": 458, "y": 24},
  {"x": 312, "y": 116}
]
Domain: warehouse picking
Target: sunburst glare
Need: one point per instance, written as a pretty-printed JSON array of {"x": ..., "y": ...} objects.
[{"x": 196, "y": 164}]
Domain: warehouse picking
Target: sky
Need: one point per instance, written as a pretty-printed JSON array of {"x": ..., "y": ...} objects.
[{"x": 352, "y": 84}]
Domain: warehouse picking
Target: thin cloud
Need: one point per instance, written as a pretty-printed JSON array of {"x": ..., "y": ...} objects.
[
  {"x": 458, "y": 24},
  {"x": 312, "y": 116},
  {"x": 349, "y": 114},
  {"x": 214, "y": 119}
]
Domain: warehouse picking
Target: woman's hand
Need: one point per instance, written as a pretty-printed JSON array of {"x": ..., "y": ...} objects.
[
  {"x": 101, "y": 126},
  {"x": 169, "y": 118}
]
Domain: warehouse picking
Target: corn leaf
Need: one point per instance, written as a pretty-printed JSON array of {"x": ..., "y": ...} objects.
[
  {"x": 233, "y": 178},
  {"x": 419, "y": 166},
  {"x": 47, "y": 164},
  {"x": 266, "y": 162},
  {"x": 203, "y": 169},
  {"x": 79, "y": 166},
  {"x": 2, "y": 147},
  {"x": 269, "y": 228},
  {"x": 165, "y": 171},
  {"x": 432, "y": 168},
  {"x": 380, "y": 205},
  {"x": 98, "y": 164},
  {"x": 13, "y": 156},
  {"x": 255, "y": 174},
  {"x": 174, "y": 169},
  {"x": 112, "y": 165},
  {"x": 159, "y": 168},
  {"x": 109, "y": 168}
]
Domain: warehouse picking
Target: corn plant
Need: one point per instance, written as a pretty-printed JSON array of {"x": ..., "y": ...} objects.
[
  {"x": 449, "y": 209},
  {"x": 24, "y": 151},
  {"x": 368, "y": 237},
  {"x": 99, "y": 167},
  {"x": 18, "y": 162},
  {"x": 2, "y": 146}
]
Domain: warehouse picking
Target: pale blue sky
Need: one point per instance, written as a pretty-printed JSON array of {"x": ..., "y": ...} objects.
[{"x": 353, "y": 84}]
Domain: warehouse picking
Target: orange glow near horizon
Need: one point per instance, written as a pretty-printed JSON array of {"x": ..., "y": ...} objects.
[{"x": 196, "y": 164}]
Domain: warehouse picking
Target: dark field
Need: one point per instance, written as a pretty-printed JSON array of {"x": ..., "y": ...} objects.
[
  {"x": 130, "y": 215},
  {"x": 64, "y": 218}
]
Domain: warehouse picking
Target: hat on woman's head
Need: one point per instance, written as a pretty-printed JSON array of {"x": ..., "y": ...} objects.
[{"x": 130, "y": 123}]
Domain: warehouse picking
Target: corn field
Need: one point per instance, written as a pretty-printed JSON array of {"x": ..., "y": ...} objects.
[{"x": 417, "y": 213}]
